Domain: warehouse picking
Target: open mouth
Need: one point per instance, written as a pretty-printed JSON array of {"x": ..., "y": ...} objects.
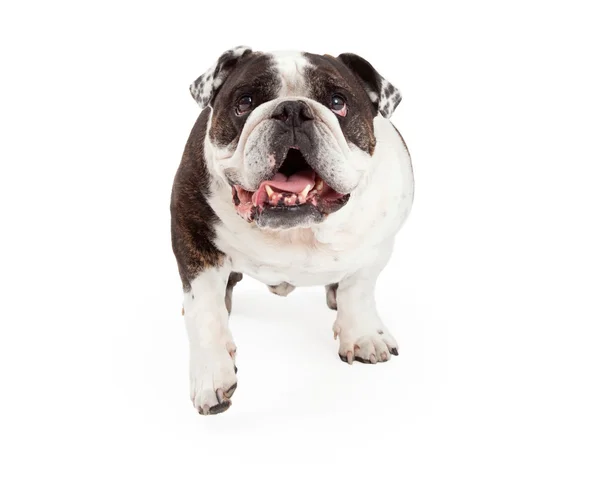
[{"x": 296, "y": 191}]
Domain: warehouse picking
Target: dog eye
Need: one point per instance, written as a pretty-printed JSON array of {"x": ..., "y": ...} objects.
[
  {"x": 244, "y": 105},
  {"x": 338, "y": 105}
]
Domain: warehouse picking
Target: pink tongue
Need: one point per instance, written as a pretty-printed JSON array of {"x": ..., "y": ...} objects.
[{"x": 292, "y": 184}]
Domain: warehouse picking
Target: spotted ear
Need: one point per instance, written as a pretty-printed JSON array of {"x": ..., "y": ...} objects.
[
  {"x": 203, "y": 90},
  {"x": 382, "y": 93}
]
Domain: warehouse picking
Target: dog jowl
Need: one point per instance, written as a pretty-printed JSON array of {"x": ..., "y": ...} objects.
[{"x": 293, "y": 174}]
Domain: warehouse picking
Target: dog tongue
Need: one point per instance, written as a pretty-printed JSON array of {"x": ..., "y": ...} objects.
[
  {"x": 295, "y": 183},
  {"x": 292, "y": 184}
]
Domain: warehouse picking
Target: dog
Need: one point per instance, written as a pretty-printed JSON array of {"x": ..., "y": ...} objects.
[{"x": 294, "y": 175}]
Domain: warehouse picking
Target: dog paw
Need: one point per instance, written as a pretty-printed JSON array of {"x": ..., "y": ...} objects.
[
  {"x": 213, "y": 378},
  {"x": 369, "y": 345}
]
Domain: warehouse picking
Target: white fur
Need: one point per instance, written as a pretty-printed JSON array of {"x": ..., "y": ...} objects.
[
  {"x": 203, "y": 88},
  {"x": 350, "y": 247},
  {"x": 361, "y": 332},
  {"x": 388, "y": 102},
  {"x": 212, "y": 350},
  {"x": 290, "y": 66},
  {"x": 345, "y": 163},
  {"x": 346, "y": 241}
]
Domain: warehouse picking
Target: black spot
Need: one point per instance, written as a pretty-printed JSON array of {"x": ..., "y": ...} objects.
[
  {"x": 218, "y": 408},
  {"x": 225, "y": 64},
  {"x": 232, "y": 389},
  {"x": 364, "y": 361}
]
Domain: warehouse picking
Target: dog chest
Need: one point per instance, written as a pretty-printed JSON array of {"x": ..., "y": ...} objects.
[{"x": 296, "y": 257}]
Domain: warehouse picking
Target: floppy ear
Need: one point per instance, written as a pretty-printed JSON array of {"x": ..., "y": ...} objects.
[
  {"x": 205, "y": 87},
  {"x": 382, "y": 93}
]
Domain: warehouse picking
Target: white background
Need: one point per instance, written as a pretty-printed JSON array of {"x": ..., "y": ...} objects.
[{"x": 493, "y": 290}]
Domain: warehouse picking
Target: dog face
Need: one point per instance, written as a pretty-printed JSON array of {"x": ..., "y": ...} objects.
[{"x": 291, "y": 133}]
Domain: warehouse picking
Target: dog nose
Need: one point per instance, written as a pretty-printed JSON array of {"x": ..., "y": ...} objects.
[{"x": 293, "y": 112}]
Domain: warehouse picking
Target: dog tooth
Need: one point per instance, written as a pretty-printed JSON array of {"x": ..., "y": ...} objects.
[
  {"x": 269, "y": 190},
  {"x": 319, "y": 184},
  {"x": 304, "y": 193}
]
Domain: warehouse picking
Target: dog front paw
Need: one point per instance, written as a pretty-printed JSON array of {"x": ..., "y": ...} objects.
[
  {"x": 213, "y": 378},
  {"x": 368, "y": 343}
]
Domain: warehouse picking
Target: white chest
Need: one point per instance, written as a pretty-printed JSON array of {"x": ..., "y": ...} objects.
[
  {"x": 353, "y": 237},
  {"x": 294, "y": 257}
]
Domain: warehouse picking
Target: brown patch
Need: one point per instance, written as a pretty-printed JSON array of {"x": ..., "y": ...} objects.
[
  {"x": 330, "y": 75},
  {"x": 192, "y": 218},
  {"x": 254, "y": 75}
]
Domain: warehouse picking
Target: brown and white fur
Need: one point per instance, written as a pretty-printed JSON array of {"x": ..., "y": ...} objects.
[{"x": 341, "y": 243}]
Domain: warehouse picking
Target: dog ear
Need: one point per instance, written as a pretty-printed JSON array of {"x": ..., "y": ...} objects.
[
  {"x": 203, "y": 90},
  {"x": 382, "y": 93}
]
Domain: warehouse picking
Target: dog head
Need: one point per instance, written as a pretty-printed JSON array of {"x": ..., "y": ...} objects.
[{"x": 291, "y": 133}]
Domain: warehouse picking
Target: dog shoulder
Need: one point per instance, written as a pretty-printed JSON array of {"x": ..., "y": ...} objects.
[{"x": 192, "y": 218}]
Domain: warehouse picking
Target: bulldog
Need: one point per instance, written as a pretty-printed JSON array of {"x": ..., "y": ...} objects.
[{"x": 294, "y": 175}]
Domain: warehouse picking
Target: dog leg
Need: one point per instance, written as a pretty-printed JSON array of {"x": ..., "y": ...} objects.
[
  {"x": 234, "y": 278},
  {"x": 331, "y": 295},
  {"x": 363, "y": 336},
  {"x": 212, "y": 350}
]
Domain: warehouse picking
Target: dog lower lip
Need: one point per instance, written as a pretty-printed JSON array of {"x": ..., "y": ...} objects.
[
  {"x": 317, "y": 200},
  {"x": 294, "y": 184}
]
